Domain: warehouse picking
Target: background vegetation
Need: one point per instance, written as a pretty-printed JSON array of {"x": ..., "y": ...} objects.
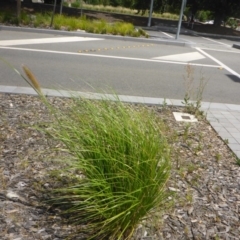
[{"x": 72, "y": 23}]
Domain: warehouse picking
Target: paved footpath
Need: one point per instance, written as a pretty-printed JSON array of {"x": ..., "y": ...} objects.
[{"x": 224, "y": 118}]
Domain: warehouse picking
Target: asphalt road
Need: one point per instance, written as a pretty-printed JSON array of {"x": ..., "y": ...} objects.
[{"x": 127, "y": 68}]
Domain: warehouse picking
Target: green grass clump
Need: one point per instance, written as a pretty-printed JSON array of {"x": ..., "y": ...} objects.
[
  {"x": 97, "y": 26},
  {"x": 124, "y": 158},
  {"x": 238, "y": 161},
  {"x": 42, "y": 20},
  {"x": 117, "y": 166},
  {"x": 8, "y": 17},
  {"x": 170, "y": 16},
  {"x": 122, "y": 28}
]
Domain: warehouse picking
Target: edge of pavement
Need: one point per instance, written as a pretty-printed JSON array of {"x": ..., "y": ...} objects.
[{"x": 212, "y": 110}]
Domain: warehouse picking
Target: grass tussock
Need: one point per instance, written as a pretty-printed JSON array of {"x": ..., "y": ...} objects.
[
  {"x": 124, "y": 159},
  {"x": 120, "y": 160}
]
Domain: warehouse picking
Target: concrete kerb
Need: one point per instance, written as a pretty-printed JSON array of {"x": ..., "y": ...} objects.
[
  {"x": 198, "y": 33},
  {"x": 206, "y": 106},
  {"x": 236, "y": 46},
  {"x": 124, "y": 98},
  {"x": 228, "y": 37},
  {"x": 112, "y": 37}
]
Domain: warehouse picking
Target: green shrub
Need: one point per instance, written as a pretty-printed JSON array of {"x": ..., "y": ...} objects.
[
  {"x": 101, "y": 27},
  {"x": 76, "y": 4},
  {"x": 232, "y": 23},
  {"x": 25, "y": 18},
  {"x": 6, "y": 16},
  {"x": 42, "y": 19},
  {"x": 89, "y": 28},
  {"x": 142, "y": 32},
  {"x": 123, "y": 28},
  {"x": 9, "y": 17},
  {"x": 73, "y": 23},
  {"x": 203, "y": 16},
  {"x": 135, "y": 34}
]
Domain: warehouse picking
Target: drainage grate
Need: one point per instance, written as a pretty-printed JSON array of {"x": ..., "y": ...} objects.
[{"x": 184, "y": 117}]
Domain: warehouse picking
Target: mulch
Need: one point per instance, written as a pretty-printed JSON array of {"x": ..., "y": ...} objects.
[{"x": 204, "y": 179}]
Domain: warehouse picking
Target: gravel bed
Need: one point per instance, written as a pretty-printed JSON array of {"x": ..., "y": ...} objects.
[{"x": 205, "y": 179}]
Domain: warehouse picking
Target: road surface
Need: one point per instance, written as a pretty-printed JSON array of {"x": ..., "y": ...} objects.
[{"x": 127, "y": 68}]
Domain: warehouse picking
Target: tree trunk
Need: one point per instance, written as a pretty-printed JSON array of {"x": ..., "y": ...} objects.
[
  {"x": 218, "y": 19},
  {"x": 18, "y": 9}
]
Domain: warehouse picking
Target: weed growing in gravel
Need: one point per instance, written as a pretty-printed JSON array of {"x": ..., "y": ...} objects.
[
  {"x": 186, "y": 131},
  {"x": 226, "y": 141},
  {"x": 218, "y": 156},
  {"x": 123, "y": 158},
  {"x": 193, "y": 95},
  {"x": 238, "y": 161}
]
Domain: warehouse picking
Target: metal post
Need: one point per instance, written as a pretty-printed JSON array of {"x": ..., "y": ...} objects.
[
  {"x": 61, "y": 5},
  {"x": 180, "y": 18},
  {"x": 81, "y": 8},
  {"x": 19, "y": 10},
  {"x": 150, "y": 14}
]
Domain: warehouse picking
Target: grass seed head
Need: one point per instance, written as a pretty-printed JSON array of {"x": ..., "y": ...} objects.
[{"x": 32, "y": 79}]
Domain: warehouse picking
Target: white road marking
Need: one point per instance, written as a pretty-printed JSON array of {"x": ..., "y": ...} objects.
[
  {"x": 167, "y": 34},
  {"x": 218, "y": 62},
  {"x": 184, "y": 57},
  {"x": 218, "y": 50},
  {"x": 217, "y": 42},
  {"x": 106, "y": 56},
  {"x": 46, "y": 40}
]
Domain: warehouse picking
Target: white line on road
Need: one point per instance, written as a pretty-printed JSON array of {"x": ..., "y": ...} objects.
[
  {"x": 218, "y": 50},
  {"x": 218, "y": 62},
  {"x": 183, "y": 57},
  {"x": 217, "y": 42},
  {"x": 167, "y": 34},
  {"x": 46, "y": 40},
  {"x": 107, "y": 56}
]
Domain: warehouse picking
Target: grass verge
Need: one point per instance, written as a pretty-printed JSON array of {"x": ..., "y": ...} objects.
[{"x": 62, "y": 22}]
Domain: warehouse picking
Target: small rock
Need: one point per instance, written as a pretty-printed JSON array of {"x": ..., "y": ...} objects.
[{"x": 174, "y": 189}]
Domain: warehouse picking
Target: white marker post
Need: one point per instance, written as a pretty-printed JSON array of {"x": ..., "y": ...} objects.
[{"x": 180, "y": 18}]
